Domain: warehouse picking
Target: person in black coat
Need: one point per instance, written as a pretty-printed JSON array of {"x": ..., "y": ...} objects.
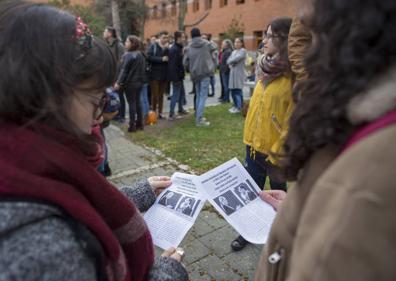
[
  {"x": 176, "y": 73},
  {"x": 224, "y": 68},
  {"x": 158, "y": 56},
  {"x": 131, "y": 78}
]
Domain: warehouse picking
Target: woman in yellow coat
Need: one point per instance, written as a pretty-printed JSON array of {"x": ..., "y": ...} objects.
[{"x": 271, "y": 105}]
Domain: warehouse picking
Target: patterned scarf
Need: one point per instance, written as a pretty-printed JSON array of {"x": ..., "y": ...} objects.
[
  {"x": 270, "y": 68},
  {"x": 34, "y": 166}
]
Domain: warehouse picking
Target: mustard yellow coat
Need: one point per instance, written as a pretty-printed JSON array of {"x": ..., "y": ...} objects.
[{"x": 266, "y": 123}]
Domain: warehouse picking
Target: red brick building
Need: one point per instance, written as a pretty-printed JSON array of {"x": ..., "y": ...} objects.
[
  {"x": 81, "y": 2},
  {"x": 254, "y": 14},
  {"x": 73, "y": 2}
]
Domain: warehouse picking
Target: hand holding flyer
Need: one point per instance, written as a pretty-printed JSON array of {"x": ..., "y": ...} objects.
[
  {"x": 229, "y": 188},
  {"x": 235, "y": 196},
  {"x": 174, "y": 212}
]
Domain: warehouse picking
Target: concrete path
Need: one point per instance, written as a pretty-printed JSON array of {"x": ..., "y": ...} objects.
[{"x": 207, "y": 245}]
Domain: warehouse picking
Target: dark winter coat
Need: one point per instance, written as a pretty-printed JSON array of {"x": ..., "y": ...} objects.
[
  {"x": 159, "y": 68},
  {"x": 224, "y": 57},
  {"x": 175, "y": 65},
  {"x": 133, "y": 69},
  {"x": 117, "y": 48}
]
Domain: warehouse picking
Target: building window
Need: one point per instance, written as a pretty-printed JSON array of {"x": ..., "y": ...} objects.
[
  {"x": 223, "y": 3},
  {"x": 173, "y": 8},
  {"x": 238, "y": 2},
  {"x": 195, "y": 5},
  {"x": 208, "y": 4},
  {"x": 258, "y": 37},
  {"x": 155, "y": 12},
  {"x": 163, "y": 10}
]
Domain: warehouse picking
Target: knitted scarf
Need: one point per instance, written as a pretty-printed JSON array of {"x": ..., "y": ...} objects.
[
  {"x": 270, "y": 68},
  {"x": 34, "y": 166}
]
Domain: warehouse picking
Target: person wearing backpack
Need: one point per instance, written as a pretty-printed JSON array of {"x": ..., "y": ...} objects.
[
  {"x": 337, "y": 221},
  {"x": 198, "y": 60},
  {"x": 110, "y": 36},
  {"x": 109, "y": 112}
]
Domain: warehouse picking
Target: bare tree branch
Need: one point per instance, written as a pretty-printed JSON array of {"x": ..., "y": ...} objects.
[{"x": 196, "y": 22}]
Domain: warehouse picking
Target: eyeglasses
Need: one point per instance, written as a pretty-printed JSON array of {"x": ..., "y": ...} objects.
[
  {"x": 270, "y": 35},
  {"x": 100, "y": 106}
]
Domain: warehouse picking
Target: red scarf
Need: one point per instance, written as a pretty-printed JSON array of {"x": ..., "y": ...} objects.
[
  {"x": 370, "y": 128},
  {"x": 37, "y": 167}
]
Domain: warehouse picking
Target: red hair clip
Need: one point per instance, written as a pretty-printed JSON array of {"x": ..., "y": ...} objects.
[{"x": 83, "y": 34}]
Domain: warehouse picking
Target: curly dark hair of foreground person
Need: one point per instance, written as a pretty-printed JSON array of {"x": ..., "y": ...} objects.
[{"x": 354, "y": 43}]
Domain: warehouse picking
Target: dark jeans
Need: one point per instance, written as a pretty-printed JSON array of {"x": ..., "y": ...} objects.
[
  {"x": 237, "y": 97},
  {"x": 225, "y": 77},
  {"x": 183, "y": 95},
  {"x": 105, "y": 162},
  {"x": 177, "y": 97},
  {"x": 257, "y": 168},
  {"x": 193, "y": 87},
  {"x": 132, "y": 93},
  {"x": 222, "y": 86},
  {"x": 121, "y": 94},
  {"x": 212, "y": 84}
]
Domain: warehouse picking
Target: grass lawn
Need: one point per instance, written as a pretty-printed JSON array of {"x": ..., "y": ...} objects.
[{"x": 202, "y": 148}]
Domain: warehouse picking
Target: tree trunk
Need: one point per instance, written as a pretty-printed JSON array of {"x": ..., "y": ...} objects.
[
  {"x": 182, "y": 14},
  {"x": 115, "y": 13},
  {"x": 142, "y": 19}
]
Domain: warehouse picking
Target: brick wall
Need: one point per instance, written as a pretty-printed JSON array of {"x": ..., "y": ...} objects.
[
  {"x": 80, "y": 2},
  {"x": 255, "y": 15}
]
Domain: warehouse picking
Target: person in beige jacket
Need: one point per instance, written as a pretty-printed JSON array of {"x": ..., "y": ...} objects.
[
  {"x": 338, "y": 221},
  {"x": 299, "y": 41}
]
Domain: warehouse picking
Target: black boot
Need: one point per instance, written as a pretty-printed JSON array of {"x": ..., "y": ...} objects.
[
  {"x": 132, "y": 128},
  {"x": 107, "y": 170},
  {"x": 239, "y": 243}
]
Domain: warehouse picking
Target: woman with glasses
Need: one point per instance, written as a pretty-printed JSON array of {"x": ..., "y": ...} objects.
[
  {"x": 270, "y": 107},
  {"x": 61, "y": 219}
]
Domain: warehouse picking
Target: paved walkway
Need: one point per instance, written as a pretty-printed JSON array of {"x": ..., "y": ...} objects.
[{"x": 207, "y": 244}]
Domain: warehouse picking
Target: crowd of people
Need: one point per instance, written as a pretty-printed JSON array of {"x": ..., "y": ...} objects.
[
  {"x": 322, "y": 115},
  {"x": 147, "y": 72}
]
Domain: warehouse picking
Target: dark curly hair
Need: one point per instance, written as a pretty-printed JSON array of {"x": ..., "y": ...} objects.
[
  {"x": 350, "y": 49},
  {"x": 135, "y": 43}
]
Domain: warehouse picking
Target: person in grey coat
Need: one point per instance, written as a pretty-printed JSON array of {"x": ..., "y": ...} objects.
[
  {"x": 56, "y": 247},
  {"x": 198, "y": 60},
  {"x": 60, "y": 219},
  {"x": 236, "y": 62}
]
